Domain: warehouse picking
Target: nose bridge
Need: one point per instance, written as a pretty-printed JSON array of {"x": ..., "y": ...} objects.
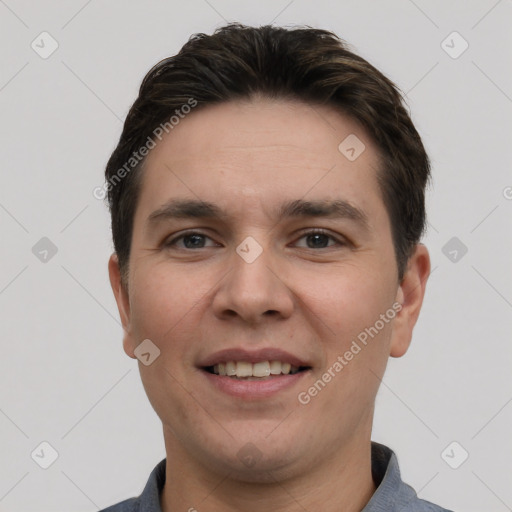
[{"x": 252, "y": 288}]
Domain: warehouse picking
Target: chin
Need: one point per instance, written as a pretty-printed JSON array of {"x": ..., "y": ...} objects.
[{"x": 251, "y": 464}]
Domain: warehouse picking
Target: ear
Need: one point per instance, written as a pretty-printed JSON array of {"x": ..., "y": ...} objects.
[
  {"x": 410, "y": 295},
  {"x": 123, "y": 303}
]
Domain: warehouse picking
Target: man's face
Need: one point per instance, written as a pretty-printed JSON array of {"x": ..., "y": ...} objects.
[{"x": 253, "y": 286}]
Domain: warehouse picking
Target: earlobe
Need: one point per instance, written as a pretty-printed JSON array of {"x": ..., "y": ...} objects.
[
  {"x": 128, "y": 346},
  {"x": 123, "y": 303},
  {"x": 410, "y": 295}
]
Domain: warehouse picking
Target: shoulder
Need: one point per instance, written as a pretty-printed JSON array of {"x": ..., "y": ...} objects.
[
  {"x": 419, "y": 505},
  {"x": 149, "y": 499},
  {"x": 392, "y": 493},
  {"x": 129, "y": 505}
]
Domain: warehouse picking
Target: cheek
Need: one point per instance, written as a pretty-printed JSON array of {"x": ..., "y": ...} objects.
[
  {"x": 348, "y": 302},
  {"x": 161, "y": 303},
  {"x": 356, "y": 345}
]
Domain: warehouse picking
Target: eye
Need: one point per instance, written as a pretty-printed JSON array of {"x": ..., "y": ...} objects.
[
  {"x": 318, "y": 238},
  {"x": 191, "y": 240},
  {"x": 315, "y": 239}
]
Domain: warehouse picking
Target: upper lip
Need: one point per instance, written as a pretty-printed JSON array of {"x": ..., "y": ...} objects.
[{"x": 252, "y": 356}]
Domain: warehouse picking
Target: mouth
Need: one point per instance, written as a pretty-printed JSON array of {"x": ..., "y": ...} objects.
[
  {"x": 261, "y": 370},
  {"x": 254, "y": 374}
]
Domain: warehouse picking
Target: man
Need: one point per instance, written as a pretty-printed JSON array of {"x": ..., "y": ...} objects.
[{"x": 267, "y": 202}]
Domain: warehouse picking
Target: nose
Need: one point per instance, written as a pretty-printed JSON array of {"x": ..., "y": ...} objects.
[{"x": 253, "y": 291}]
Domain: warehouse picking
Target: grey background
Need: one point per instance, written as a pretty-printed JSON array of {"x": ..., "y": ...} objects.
[{"x": 64, "y": 376}]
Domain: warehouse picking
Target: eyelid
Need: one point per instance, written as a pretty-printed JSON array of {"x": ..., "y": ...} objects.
[
  {"x": 171, "y": 241},
  {"x": 340, "y": 240}
]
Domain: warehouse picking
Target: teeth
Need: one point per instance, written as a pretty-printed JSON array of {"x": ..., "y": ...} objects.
[
  {"x": 230, "y": 368},
  {"x": 244, "y": 369},
  {"x": 261, "y": 369},
  {"x": 275, "y": 367}
]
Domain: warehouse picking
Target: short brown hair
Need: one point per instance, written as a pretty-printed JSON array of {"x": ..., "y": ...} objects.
[{"x": 311, "y": 65}]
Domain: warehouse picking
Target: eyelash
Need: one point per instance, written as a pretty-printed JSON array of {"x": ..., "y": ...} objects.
[{"x": 317, "y": 231}]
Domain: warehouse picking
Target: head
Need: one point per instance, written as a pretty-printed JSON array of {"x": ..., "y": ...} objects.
[
  {"x": 310, "y": 65},
  {"x": 254, "y": 137}
]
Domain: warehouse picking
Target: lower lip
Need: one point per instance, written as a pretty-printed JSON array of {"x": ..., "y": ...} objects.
[{"x": 254, "y": 389}]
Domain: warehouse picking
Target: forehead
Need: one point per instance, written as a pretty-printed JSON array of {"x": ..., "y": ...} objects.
[{"x": 253, "y": 155}]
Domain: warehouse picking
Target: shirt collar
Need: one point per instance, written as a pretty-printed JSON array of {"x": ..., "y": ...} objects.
[{"x": 391, "y": 493}]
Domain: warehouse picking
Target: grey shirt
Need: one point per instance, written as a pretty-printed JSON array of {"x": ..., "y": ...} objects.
[{"x": 392, "y": 495}]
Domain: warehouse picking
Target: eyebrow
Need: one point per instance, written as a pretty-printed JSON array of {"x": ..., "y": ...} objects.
[{"x": 197, "y": 209}]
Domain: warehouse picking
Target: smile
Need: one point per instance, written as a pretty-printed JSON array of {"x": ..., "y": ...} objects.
[
  {"x": 258, "y": 370},
  {"x": 253, "y": 374}
]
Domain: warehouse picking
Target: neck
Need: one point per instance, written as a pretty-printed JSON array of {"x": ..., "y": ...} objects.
[{"x": 342, "y": 482}]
